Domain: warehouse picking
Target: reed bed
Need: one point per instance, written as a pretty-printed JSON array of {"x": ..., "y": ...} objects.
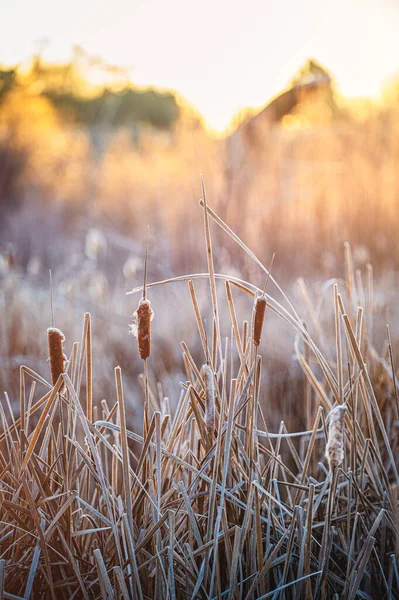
[{"x": 208, "y": 502}]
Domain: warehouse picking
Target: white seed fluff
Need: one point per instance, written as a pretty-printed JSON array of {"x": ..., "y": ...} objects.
[
  {"x": 209, "y": 398},
  {"x": 335, "y": 443}
]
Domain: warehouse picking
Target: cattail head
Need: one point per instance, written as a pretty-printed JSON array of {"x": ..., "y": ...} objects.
[
  {"x": 209, "y": 398},
  {"x": 141, "y": 327},
  {"x": 258, "y": 318},
  {"x": 57, "y": 357},
  {"x": 335, "y": 444}
]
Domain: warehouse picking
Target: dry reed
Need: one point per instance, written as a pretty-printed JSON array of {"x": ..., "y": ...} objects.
[{"x": 209, "y": 502}]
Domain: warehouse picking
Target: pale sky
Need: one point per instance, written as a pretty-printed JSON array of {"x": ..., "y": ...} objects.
[{"x": 221, "y": 55}]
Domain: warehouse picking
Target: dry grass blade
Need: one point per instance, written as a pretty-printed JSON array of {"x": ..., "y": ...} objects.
[
  {"x": 210, "y": 411},
  {"x": 89, "y": 371},
  {"x": 371, "y": 393},
  {"x": 209, "y": 254},
  {"x": 238, "y": 241},
  {"x": 39, "y": 426},
  {"x": 105, "y": 583},
  {"x": 125, "y": 449}
]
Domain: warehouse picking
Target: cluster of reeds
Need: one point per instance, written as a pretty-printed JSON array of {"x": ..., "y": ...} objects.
[{"x": 207, "y": 502}]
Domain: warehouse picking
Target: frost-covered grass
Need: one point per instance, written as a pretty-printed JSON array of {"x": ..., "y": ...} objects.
[{"x": 95, "y": 504}]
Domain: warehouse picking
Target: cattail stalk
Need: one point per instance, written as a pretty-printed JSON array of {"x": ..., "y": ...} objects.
[
  {"x": 57, "y": 358},
  {"x": 209, "y": 398}
]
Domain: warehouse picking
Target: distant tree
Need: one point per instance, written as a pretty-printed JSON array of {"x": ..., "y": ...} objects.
[
  {"x": 7, "y": 81},
  {"x": 118, "y": 109},
  {"x": 12, "y": 167},
  {"x": 67, "y": 88}
]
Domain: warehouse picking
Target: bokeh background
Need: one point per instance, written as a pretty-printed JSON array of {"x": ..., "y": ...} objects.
[{"x": 109, "y": 115}]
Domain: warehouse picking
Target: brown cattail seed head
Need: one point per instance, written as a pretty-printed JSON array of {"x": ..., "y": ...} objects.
[
  {"x": 335, "y": 444},
  {"x": 57, "y": 358},
  {"x": 258, "y": 318},
  {"x": 209, "y": 398},
  {"x": 141, "y": 327}
]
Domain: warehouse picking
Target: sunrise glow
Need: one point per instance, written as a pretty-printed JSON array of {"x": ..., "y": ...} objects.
[{"x": 221, "y": 56}]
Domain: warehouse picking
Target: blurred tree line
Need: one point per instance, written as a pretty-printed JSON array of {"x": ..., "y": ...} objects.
[
  {"x": 58, "y": 119},
  {"x": 118, "y": 109},
  {"x": 113, "y": 103}
]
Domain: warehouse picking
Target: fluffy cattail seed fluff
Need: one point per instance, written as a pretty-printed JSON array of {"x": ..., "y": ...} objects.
[
  {"x": 209, "y": 398},
  {"x": 335, "y": 444},
  {"x": 141, "y": 328},
  {"x": 258, "y": 318},
  {"x": 57, "y": 358}
]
